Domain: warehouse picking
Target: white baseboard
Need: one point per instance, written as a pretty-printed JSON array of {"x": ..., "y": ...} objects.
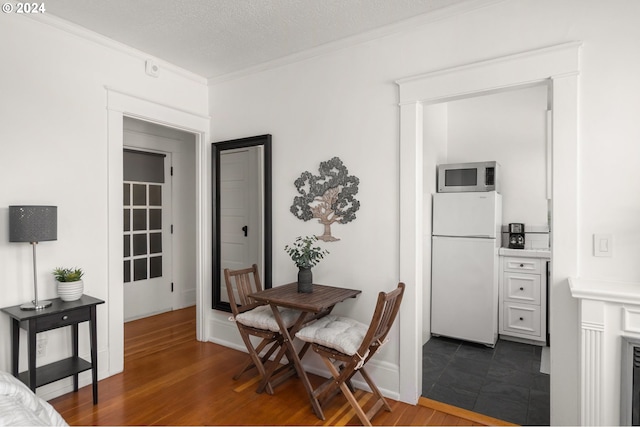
[
  {"x": 188, "y": 298},
  {"x": 65, "y": 385},
  {"x": 225, "y": 332},
  {"x": 385, "y": 374}
]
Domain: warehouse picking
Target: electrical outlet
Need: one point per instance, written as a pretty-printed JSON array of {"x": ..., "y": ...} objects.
[{"x": 41, "y": 346}]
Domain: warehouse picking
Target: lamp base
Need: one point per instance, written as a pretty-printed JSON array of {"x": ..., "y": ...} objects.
[{"x": 33, "y": 305}]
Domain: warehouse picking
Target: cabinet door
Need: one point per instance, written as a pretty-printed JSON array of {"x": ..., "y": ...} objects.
[
  {"x": 522, "y": 319},
  {"x": 523, "y": 288},
  {"x": 524, "y": 265}
]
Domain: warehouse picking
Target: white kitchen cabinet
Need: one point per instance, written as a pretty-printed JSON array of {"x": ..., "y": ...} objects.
[{"x": 523, "y": 297}]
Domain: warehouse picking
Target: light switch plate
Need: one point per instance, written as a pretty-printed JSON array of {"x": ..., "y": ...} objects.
[{"x": 602, "y": 245}]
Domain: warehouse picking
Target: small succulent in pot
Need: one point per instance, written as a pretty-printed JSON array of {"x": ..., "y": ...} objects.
[
  {"x": 70, "y": 284},
  {"x": 68, "y": 274}
]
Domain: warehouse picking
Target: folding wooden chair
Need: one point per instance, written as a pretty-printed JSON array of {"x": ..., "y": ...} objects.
[
  {"x": 256, "y": 319},
  {"x": 346, "y": 345}
]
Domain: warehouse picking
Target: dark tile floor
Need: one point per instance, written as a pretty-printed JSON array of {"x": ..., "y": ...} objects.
[{"x": 502, "y": 382}]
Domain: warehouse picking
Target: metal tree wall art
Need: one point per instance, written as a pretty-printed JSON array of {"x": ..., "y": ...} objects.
[{"x": 329, "y": 196}]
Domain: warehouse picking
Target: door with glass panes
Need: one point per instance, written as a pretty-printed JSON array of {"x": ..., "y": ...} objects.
[{"x": 147, "y": 234}]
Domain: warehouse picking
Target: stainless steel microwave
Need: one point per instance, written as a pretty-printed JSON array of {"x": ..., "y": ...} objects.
[{"x": 468, "y": 177}]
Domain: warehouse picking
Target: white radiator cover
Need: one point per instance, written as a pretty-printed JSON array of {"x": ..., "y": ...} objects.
[{"x": 609, "y": 327}]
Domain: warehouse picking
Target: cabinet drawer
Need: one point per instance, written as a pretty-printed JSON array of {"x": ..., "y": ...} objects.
[
  {"x": 528, "y": 265},
  {"x": 523, "y": 288},
  {"x": 59, "y": 320},
  {"x": 522, "y": 319}
]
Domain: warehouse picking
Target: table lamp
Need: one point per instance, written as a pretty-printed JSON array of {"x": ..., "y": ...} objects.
[{"x": 33, "y": 224}]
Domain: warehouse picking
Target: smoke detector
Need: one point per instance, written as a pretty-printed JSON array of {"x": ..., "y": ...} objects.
[{"x": 151, "y": 68}]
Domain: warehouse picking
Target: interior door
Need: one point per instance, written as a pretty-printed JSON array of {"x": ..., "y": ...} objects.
[
  {"x": 147, "y": 234},
  {"x": 239, "y": 207}
]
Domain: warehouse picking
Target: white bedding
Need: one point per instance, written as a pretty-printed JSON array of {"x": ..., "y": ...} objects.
[{"x": 19, "y": 406}]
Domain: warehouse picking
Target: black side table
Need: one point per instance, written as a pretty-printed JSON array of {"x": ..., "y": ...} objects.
[{"x": 60, "y": 314}]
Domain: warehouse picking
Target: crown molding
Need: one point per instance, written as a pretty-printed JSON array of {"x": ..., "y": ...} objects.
[
  {"x": 93, "y": 37},
  {"x": 378, "y": 33}
]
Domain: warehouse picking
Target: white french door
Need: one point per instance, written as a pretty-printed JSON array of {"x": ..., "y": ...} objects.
[{"x": 147, "y": 246}]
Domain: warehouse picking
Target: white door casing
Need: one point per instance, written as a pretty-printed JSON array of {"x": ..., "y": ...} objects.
[
  {"x": 119, "y": 105},
  {"x": 558, "y": 66}
]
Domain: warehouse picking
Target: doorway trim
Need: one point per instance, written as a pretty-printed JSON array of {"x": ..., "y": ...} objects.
[
  {"x": 559, "y": 66},
  {"x": 120, "y": 104}
]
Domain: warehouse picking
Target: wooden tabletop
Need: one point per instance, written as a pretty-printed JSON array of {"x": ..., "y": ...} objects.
[{"x": 322, "y": 297}]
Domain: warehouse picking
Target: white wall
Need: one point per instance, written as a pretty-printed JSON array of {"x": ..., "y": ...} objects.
[
  {"x": 315, "y": 110},
  {"x": 53, "y": 150},
  {"x": 344, "y": 104},
  {"x": 510, "y": 128}
]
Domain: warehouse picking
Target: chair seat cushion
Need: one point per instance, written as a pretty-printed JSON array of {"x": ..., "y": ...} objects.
[
  {"x": 261, "y": 317},
  {"x": 339, "y": 333}
]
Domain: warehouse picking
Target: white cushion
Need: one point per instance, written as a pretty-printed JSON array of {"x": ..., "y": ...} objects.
[
  {"x": 340, "y": 333},
  {"x": 261, "y": 317}
]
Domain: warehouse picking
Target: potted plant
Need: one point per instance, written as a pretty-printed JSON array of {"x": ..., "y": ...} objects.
[
  {"x": 305, "y": 255},
  {"x": 70, "y": 284}
]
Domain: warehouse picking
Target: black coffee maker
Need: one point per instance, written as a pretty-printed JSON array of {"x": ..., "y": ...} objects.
[{"x": 516, "y": 236}]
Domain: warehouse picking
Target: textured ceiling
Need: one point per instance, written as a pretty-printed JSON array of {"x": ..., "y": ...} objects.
[{"x": 216, "y": 37}]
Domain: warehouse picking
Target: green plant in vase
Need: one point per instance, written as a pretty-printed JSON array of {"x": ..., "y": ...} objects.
[{"x": 305, "y": 254}]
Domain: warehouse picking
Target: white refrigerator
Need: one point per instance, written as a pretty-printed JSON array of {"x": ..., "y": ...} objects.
[{"x": 466, "y": 236}]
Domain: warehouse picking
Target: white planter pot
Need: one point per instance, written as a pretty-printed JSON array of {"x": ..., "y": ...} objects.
[{"x": 70, "y": 291}]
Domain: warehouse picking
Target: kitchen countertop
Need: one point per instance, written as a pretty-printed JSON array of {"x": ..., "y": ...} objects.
[{"x": 527, "y": 253}]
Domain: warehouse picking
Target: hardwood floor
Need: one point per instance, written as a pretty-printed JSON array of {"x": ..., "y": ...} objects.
[{"x": 172, "y": 379}]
